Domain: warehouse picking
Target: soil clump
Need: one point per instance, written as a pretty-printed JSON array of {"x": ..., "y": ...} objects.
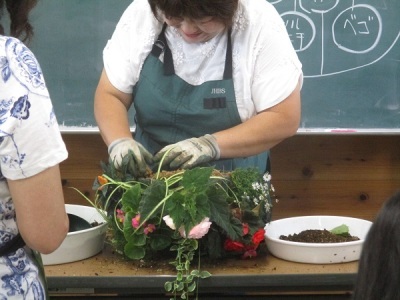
[{"x": 318, "y": 236}]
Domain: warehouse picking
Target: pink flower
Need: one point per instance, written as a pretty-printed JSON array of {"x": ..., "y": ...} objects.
[
  {"x": 136, "y": 221},
  {"x": 249, "y": 253},
  {"x": 198, "y": 231},
  {"x": 245, "y": 228},
  {"x": 149, "y": 229},
  {"x": 170, "y": 223},
  {"x": 120, "y": 215}
]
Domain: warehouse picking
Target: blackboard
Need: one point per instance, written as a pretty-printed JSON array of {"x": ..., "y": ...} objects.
[
  {"x": 70, "y": 36},
  {"x": 350, "y": 52}
]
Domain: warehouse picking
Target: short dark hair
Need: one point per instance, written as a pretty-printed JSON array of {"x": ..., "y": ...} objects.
[
  {"x": 223, "y": 10},
  {"x": 18, "y": 11}
]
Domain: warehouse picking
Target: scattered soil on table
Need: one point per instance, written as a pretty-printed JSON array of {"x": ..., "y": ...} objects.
[{"x": 318, "y": 236}]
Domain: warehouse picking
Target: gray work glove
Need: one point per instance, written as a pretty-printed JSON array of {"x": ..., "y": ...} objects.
[
  {"x": 140, "y": 157},
  {"x": 189, "y": 153}
]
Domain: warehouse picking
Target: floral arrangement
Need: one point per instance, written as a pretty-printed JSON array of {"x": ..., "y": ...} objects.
[{"x": 193, "y": 213}]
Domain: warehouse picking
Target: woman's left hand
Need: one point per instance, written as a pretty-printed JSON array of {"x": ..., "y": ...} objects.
[{"x": 189, "y": 153}]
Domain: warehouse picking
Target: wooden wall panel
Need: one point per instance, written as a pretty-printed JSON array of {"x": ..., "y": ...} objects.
[
  {"x": 86, "y": 151},
  {"x": 353, "y": 198},
  {"x": 348, "y": 175},
  {"x": 347, "y": 157},
  {"x": 335, "y": 174}
]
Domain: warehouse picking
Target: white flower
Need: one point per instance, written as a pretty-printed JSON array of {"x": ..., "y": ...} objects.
[
  {"x": 267, "y": 177},
  {"x": 170, "y": 223}
]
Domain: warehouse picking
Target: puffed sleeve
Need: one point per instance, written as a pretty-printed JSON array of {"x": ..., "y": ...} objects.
[
  {"x": 278, "y": 68},
  {"x": 129, "y": 45},
  {"x": 29, "y": 134}
]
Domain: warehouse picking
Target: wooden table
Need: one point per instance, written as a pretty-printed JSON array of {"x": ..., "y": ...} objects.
[{"x": 108, "y": 273}]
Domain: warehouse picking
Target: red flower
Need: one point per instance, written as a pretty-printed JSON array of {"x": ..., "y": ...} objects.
[
  {"x": 230, "y": 245},
  {"x": 247, "y": 250},
  {"x": 258, "y": 236}
]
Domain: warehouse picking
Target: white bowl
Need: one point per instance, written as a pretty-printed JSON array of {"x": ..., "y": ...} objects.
[
  {"x": 80, "y": 244},
  {"x": 315, "y": 253}
]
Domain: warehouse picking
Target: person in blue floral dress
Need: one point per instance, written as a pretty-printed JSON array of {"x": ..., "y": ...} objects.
[{"x": 33, "y": 219}]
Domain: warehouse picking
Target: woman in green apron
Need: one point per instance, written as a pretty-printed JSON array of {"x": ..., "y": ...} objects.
[{"x": 212, "y": 83}]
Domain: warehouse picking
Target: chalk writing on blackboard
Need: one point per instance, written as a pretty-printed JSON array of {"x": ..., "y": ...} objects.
[{"x": 337, "y": 30}]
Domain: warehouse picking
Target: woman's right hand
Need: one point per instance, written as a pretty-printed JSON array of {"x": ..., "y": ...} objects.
[{"x": 141, "y": 158}]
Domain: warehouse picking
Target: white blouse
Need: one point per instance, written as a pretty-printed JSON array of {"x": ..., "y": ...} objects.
[
  {"x": 30, "y": 142},
  {"x": 266, "y": 68}
]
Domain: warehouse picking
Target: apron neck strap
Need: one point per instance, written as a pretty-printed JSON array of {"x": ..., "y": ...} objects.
[
  {"x": 228, "y": 57},
  {"x": 160, "y": 46}
]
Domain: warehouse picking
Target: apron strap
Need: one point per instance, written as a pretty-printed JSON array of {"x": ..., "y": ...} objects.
[
  {"x": 228, "y": 58},
  {"x": 160, "y": 46}
]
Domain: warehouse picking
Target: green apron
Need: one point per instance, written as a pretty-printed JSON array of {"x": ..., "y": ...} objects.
[{"x": 169, "y": 110}]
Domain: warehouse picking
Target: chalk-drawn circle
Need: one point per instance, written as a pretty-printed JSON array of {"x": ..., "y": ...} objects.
[
  {"x": 320, "y": 6},
  {"x": 274, "y": 2},
  {"x": 301, "y": 29},
  {"x": 357, "y": 29}
]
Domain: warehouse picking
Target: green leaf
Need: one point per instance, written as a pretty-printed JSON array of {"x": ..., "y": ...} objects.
[
  {"x": 174, "y": 248},
  {"x": 134, "y": 239},
  {"x": 196, "y": 208},
  {"x": 179, "y": 275},
  {"x": 187, "y": 265},
  {"x": 191, "y": 287},
  {"x": 197, "y": 178},
  {"x": 128, "y": 166},
  {"x": 221, "y": 214},
  {"x": 176, "y": 210},
  {"x": 131, "y": 199},
  {"x": 168, "y": 286},
  {"x": 151, "y": 197},
  {"x": 340, "y": 230},
  {"x": 134, "y": 252},
  {"x": 205, "y": 274},
  {"x": 214, "y": 244},
  {"x": 159, "y": 241},
  {"x": 243, "y": 179},
  {"x": 201, "y": 208},
  {"x": 252, "y": 220}
]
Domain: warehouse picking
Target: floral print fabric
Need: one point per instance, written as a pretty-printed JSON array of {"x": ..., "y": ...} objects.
[{"x": 30, "y": 142}]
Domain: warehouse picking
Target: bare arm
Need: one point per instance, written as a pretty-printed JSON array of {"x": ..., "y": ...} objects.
[
  {"x": 111, "y": 111},
  {"x": 39, "y": 205},
  {"x": 262, "y": 131}
]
